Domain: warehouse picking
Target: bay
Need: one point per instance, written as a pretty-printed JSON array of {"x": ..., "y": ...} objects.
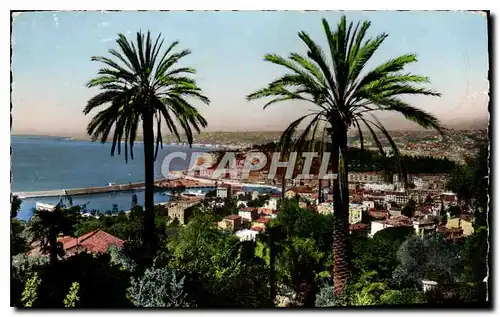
[{"x": 49, "y": 163}]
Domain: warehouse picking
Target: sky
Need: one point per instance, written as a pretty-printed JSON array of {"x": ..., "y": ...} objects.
[{"x": 51, "y": 61}]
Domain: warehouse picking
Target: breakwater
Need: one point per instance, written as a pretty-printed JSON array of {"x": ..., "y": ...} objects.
[{"x": 84, "y": 191}]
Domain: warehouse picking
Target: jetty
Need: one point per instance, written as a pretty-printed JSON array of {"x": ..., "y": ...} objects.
[
  {"x": 180, "y": 181},
  {"x": 82, "y": 191},
  {"x": 163, "y": 183}
]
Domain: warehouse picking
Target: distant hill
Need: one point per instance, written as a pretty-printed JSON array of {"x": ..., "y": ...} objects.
[{"x": 476, "y": 124}]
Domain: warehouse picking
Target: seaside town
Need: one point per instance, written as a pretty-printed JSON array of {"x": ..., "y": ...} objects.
[{"x": 131, "y": 198}]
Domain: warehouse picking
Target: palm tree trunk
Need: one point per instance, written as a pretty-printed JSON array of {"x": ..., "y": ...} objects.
[
  {"x": 320, "y": 189},
  {"x": 283, "y": 187},
  {"x": 272, "y": 273},
  {"x": 149, "y": 216},
  {"x": 341, "y": 270}
]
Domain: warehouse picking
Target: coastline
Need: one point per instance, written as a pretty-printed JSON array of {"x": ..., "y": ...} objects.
[{"x": 139, "y": 141}]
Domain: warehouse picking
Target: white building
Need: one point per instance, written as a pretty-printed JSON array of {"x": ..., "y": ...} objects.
[
  {"x": 272, "y": 203},
  {"x": 398, "y": 197},
  {"x": 369, "y": 204},
  {"x": 423, "y": 227},
  {"x": 377, "y": 226},
  {"x": 418, "y": 182},
  {"x": 222, "y": 192},
  {"x": 356, "y": 212},
  {"x": 394, "y": 212},
  {"x": 366, "y": 177},
  {"x": 428, "y": 285},
  {"x": 247, "y": 214},
  {"x": 241, "y": 202},
  {"x": 246, "y": 235},
  {"x": 378, "y": 186}
]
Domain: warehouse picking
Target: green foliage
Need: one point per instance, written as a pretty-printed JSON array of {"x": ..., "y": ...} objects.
[
  {"x": 46, "y": 225},
  {"x": 402, "y": 297},
  {"x": 124, "y": 226},
  {"x": 158, "y": 287},
  {"x": 367, "y": 290},
  {"x": 429, "y": 258},
  {"x": 297, "y": 266},
  {"x": 262, "y": 251},
  {"x": 102, "y": 284},
  {"x": 22, "y": 263},
  {"x": 453, "y": 211},
  {"x": 29, "y": 295},
  {"x": 72, "y": 298},
  {"x": 15, "y": 205},
  {"x": 379, "y": 253},
  {"x": 18, "y": 241},
  {"x": 303, "y": 244},
  {"x": 259, "y": 202},
  {"x": 471, "y": 183},
  {"x": 218, "y": 270},
  {"x": 119, "y": 258},
  {"x": 409, "y": 209},
  {"x": 325, "y": 297},
  {"x": 475, "y": 256}
]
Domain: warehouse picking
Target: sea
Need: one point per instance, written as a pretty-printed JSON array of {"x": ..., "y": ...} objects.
[{"x": 48, "y": 163}]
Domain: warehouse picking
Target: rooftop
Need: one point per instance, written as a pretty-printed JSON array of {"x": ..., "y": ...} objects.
[
  {"x": 232, "y": 217},
  {"x": 96, "y": 241}
]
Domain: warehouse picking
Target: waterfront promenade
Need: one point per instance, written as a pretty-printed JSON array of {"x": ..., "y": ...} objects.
[{"x": 184, "y": 181}]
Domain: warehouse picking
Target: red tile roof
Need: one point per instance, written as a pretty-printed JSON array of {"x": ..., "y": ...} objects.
[
  {"x": 379, "y": 214},
  {"x": 96, "y": 241},
  {"x": 257, "y": 228},
  {"x": 263, "y": 220},
  {"x": 302, "y": 190},
  {"x": 267, "y": 211},
  {"x": 232, "y": 217},
  {"x": 358, "y": 227},
  {"x": 399, "y": 221},
  {"x": 249, "y": 209}
]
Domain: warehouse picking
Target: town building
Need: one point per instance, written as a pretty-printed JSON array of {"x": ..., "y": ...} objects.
[
  {"x": 451, "y": 234},
  {"x": 181, "y": 211},
  {"x": 231, "y": 223},
  {"x": 261, "y": 223},
  {"x": 463, "y": 222},
  {"x": 370, "y": 177},
  {"x": 424, "y": 227},
  {"x": 356, "y": 212},
  {"x": 247, "y": 234},
  {"x": 222, "y": 192},
  {"x": 359, "y": 228},
  {"x": 378, "y": 225},
  {"x": 325, "y": 208},
  {"x": 95, "y": 242},
  {"x": 249, "y": 214}
]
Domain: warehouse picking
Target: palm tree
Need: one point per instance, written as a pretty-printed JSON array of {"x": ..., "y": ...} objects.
[
  {"x": 143, "y": 84},
  {"x": 46, "y": 225},
  {"x": 345, "y": 95}
]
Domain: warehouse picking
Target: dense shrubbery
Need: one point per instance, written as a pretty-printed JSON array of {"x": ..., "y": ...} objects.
[{"x": 198, "y": 265}]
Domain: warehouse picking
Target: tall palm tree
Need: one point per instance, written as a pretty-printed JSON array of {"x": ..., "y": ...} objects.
[
  {"x": 143, "y": 84},
  {"x": 345, "y": 95}
]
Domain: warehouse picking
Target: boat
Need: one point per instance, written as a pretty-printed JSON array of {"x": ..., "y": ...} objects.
[
  {"x": 194, "y": 193},
  {"x": 44, "y": 206}
]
